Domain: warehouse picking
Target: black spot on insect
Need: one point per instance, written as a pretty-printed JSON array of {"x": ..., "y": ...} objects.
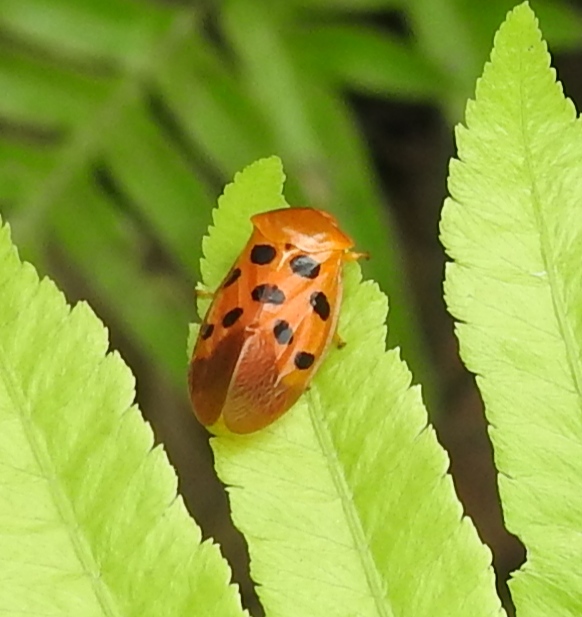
[
  {"x": 283, "y": 332},
  {"x": 320, "y": 304},
  {"x": 268, "y": 294},
  {"x": 263, "y": 254},
  {"x": 288, "y": 246},
  {"x": 232, "y": 317},
  {"x": 206, "y": 331},
  {"x": 232, "y": 277},
  {"x": 303, "y": 360},
  {"x": 305, "y": 266}
]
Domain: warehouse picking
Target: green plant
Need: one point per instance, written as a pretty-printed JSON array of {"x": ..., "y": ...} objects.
[
  {"x": 345, "y": 502},
  {"x": 123, "y": 118}
]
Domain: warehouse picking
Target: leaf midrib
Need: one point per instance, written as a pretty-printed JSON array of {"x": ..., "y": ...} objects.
[
  {"x": 563, "y": 323},
  {"x": 347, "y": 500}
]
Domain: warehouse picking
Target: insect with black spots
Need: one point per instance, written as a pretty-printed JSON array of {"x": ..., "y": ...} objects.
[{"x": 271, "y": 320}]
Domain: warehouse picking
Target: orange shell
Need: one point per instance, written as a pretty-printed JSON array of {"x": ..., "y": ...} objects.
[{"x": 271, "y": 321}]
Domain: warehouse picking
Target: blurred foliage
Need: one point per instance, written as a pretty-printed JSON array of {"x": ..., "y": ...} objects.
[{"x": 120, "y": 120}]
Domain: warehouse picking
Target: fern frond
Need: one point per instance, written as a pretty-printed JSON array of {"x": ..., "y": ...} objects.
[
  {"x": 90, "y": 524},
  {"x": 345, "y": 501},
  {"x": 514, "y": 230}
]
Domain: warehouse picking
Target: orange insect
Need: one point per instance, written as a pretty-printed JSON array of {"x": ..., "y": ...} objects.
[{"x": 271, "y": 320}]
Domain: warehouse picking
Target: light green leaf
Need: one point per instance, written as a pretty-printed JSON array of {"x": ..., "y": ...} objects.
[
  {"x": 260, "y": 188},
  {"x": 345, "y": 501},
  {"x": 89, "y": 518},
  {"x": 514, "y": 229}
]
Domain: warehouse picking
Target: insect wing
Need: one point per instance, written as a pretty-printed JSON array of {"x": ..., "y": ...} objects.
[
  {"x": 209, "y": 377},
  {"x": 217, "y": 349},
  {"x": 256, "y": 395}
]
